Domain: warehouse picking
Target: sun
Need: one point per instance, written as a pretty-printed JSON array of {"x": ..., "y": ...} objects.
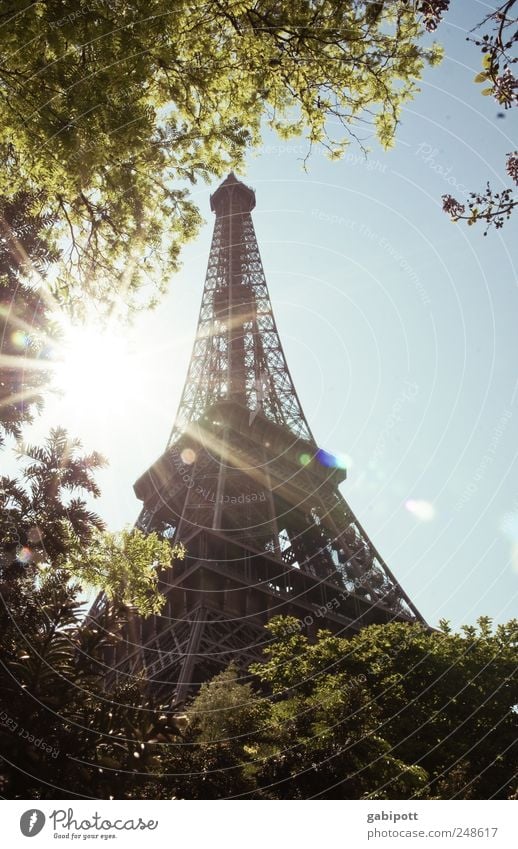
[{"x": 94, "y": 370}]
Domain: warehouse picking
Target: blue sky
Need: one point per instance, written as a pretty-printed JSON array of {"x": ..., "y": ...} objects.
[{"x": 400, "y": 330}]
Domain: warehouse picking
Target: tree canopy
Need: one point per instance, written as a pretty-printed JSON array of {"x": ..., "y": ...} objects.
[
  {"x": 397, "y": 711},
  {"x": 111, "y": 109}
]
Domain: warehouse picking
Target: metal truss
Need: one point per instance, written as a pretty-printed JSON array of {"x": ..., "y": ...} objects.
[
  {"x": 182, "y": 656},
  {"x": 237, "y": 352}
]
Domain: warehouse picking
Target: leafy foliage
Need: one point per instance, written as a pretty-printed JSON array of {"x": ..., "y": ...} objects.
[
  {"x": 330, "y": 738},
  {"x": 493, "y": 207},
  {"x": 432, "y": 11},
  {"x": 40, "y": 511},
  {"x": 497, "y": 46},
  {"x": 497, "y": 58},
  {"x": 448, "y": 702},
  {"x": 126, "y": 565},
  {"x": 61, "y": 733},
  {"x": 225, "y": 726},
  {"x": 397, "y": 711},
  {"x": 115, "y": 106}
]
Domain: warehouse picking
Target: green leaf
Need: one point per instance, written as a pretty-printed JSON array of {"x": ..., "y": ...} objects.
[{"x": 133, "y": 98}]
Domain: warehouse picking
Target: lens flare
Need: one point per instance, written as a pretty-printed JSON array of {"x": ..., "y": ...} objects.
[
  {"x": 24, "y": 554},
  {"x": 422, "y": 510},
  {"x": 188, "y": 456},
  {"x": 509, "y": 527},
  {"x": 327, "y": 459},
  {"x": 333, "y": 461},
  {"x": 20, "y": 339}
]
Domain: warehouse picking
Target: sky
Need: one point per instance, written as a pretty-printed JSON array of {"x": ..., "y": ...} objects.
[{"x": 400, "y": 331}]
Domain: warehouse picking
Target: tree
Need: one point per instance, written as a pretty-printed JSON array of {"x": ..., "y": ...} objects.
[
  {"x": 26, "y": 328},
  {"x": 62, "y": 731},
  {"x": 330, "y": 739},
  {"x": 41, "y": 511},
  {"x": 396, "y": 711},
  {"x": 497, "y": 46},
  {"x": 438, "y": 710},
  {"x": 116, "y": 106},
  {"x": 227, "y": 725},
  {"x": 448, "y": 702},
  {"x": 46, "y": 519}
]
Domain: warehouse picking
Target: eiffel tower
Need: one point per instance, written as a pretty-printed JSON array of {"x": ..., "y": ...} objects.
[{"x": 245, "y": 487}]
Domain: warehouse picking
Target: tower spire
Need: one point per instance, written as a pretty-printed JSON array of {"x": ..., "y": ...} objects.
[{"x": 237, "y": 353}]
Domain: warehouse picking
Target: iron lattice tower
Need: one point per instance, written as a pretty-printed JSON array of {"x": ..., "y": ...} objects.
[{"x": 243, "y": 485}]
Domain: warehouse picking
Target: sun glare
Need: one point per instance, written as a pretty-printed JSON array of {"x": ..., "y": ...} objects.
[{"x": 93, "y": 370}]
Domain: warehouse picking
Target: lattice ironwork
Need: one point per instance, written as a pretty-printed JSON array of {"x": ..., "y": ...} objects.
[{"x": 237, "y": 353}]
